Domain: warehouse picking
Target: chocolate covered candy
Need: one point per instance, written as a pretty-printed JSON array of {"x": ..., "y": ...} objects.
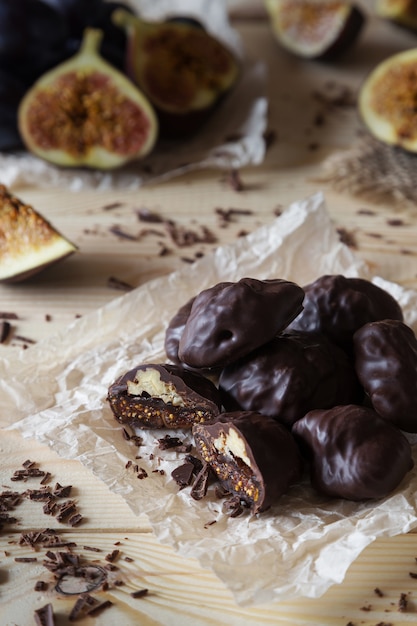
[
  {"x": 163, "y": 396},
  {"x": 174, "y": 331},
  {"x": 230, "y": 320},
  {"x": 289, "y": 376},
  {"x": 253, "y": 456},
  {"x": 354, "y": 453},
  {"x": 337, "y": 306},
  {"x": 386, "y": 364}
]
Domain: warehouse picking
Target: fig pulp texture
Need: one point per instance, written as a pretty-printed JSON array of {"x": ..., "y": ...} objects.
[
  {"x": 387, "y": 101},
  {"x": 85, "y": 112},
  {"x": 402, "y": 12},
  {"x": 315, "y": 30},
  {"x": 182, "y": 69},
  {"x": 28, "y": 242}
]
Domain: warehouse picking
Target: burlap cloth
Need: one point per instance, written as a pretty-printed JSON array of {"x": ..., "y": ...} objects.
[{"x": 373, "y": 171}]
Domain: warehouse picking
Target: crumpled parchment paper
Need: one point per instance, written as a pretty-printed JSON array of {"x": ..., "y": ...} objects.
[
  {"x": 233, "y": 136},
  {"x": 56, "y": 392}
]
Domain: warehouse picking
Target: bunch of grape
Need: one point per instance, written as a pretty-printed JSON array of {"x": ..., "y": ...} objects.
[{"x": 37, "y": 35}]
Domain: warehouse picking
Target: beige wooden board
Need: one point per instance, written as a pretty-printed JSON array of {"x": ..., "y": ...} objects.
[{"x": 180, "y": 591}]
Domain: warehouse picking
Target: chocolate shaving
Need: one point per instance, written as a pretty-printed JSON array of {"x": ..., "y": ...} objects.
[
  {"x": 235, "y": 181},
  {"x": 167, "y": 442},
  {"x": 25, "y": 559},
  {"x": 45, "y": 616},
  {"x": 81, "y": 607},
  {"x": 24, "y": 339},
  {"x": 183, "y": 474},
  {"x": 146, "y": 215},
  {"x": 347, "y": 237},
  {"x": 184, "y": 237},
  {"x": 99, "y": 608},
  {"x": 112, "y": 556},
  {"x": 5, "y": 329},
  {"x": 40, "y": 585},
  {"x": 120, "y": 285},
  {"x": 112, "y": 205},
  {"x": 62, "y": 492},
  {"x": 116, "y": 230},
  {"x": 4, "y": 315},
  {"x": 139, "y": 593},
  {"x": 200, "y": 485},
  {"x": 233, "y": 507}
]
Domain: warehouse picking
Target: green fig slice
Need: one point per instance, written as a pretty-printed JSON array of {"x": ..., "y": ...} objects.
[
  {"x": 84, "y": 112},
  {"x": 402, "y": 12},
  {"x": 182, "y": 69},
  {"x": 28, "y": 242},
  {"x": 315, "y": 30},
  {"x": 387, "y": 101}
]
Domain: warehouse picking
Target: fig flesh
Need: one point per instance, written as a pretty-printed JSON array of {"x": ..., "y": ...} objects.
[
  {"x": 402, "y": 12},
  {"x": 85, "y": 112},
  {"x": 387, "y": 101},
  {"x": 28, "y": 242},
  {"x": 315, "y": 30},
  {"x": 182, "y": 69}
]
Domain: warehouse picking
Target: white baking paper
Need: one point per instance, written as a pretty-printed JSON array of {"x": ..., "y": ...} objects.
[
  {"x": 56, "y": 392},
  {"x": 233, "y": 137}
]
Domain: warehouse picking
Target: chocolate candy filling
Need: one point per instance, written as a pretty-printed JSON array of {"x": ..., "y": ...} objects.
[
  {"x": 163, "y": 396},
  {"x": 252, "y": 455}
]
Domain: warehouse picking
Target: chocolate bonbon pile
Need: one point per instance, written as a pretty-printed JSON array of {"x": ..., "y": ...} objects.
[{"x": 332, "y": 380}]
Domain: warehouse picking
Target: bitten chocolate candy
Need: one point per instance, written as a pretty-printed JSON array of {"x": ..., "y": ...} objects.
[
  {"x": 338, "y": 306},
  {"x": 289, "y": 376},
  {"x": 354, "y": 453},
  {"x": 229, "y": 320},
  {"x": 386, "y": 364},
  {"x": 163, "y": 396},
  {"x": 252, "y": 455}
]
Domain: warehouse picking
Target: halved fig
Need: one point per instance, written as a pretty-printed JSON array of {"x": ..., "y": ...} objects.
[
  {"x": 182, "y": 69},
  {"x": 315, "y": 30},
  {"x": 84, "y": 112},
  {"x": 28, "y": 242},
  {"x": 402, "y": 12},
  {"x": 387, "y": 101}
]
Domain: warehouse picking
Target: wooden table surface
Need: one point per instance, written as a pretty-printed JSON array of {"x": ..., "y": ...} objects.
[{"x": 180, "y": 591}]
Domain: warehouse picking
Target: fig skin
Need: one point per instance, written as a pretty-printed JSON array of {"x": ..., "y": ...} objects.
[
  {"x": 315, "y": 30},
  {"x": 387, "y": 101},
  {"x": 85, "y": 112},
  {"x": 402, "y": 12},
  {"x": 184, "y": 71}
]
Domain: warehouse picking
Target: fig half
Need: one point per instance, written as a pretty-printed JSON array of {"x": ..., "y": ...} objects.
[
  {"x": 182, "y": 69},
  {"x": 387, "y": 101},
  {"x": 402, "y": 12},
  {"x": 315, "y": 30},
  {"x": 85, "y": 112},
  {"x": 28, "y": 242}
]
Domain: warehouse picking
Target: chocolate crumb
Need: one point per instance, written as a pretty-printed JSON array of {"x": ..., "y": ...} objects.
[
  {"x": 235, "y": 180},
  {"x": 347, "y": 237},
  {"x": 121, "y": 234},
  {"x": 139, "y": 593},
  {"x": 112, "y": 556},
  {"x": 40, "y": 585},
  {"x": 167, "y": 442},
  {"x": 112, "y": 205},
  {"x": 402, "y": 603},
  {"x": 365, "y": 212},
  {"x": 395, "y": 222},
  {"x": 142, "y": 473},
  {"x": 366, "y": 607},
  {"x": 129, "y": 559},
  {"x": 48, "y": 318},
  {"x": 207, "y": 524},
  {"x": 25, "y": 559},
  {"x": 378, "y": 592},
  {"x": 412, "y": 574},
  {"x": 24, "y": 339},
  {"x": 4, "y": 315},
  {"x": 92, "y": 549},
  {"x": 45, "y": 616}
]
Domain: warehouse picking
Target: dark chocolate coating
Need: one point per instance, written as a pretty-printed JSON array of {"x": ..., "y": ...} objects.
[
  {"x": 354, "y": 453},
  {"x": 337, "y": 306},
  {"x": 289, "y": 376},
  {"x": 386, "y": 364},
  {"x": 196, "y": 398},
  {"x": 174, "y": 331},
  {"x": 274, "y": 459},
  {"x": 230, "y": 320}
]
